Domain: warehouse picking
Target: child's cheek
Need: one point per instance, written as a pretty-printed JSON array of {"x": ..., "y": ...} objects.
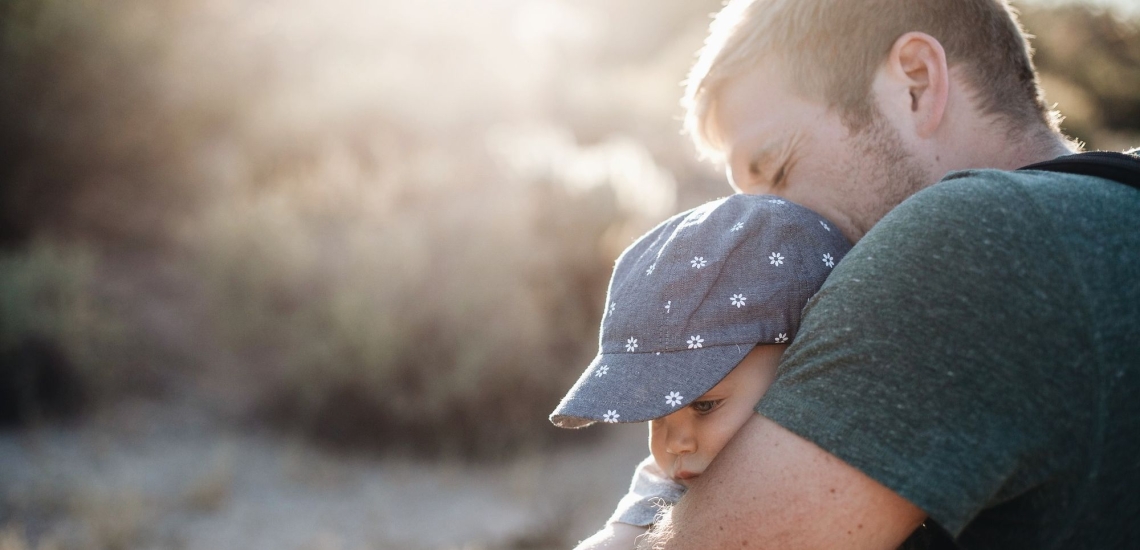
[
  {"x": 657, "y": 444},
  {"x": 725, "y": 425},
  {"x": 717, "y": 433}
]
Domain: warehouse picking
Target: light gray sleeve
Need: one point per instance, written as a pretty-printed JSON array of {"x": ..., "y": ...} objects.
[{"x": 650, "y": 490}]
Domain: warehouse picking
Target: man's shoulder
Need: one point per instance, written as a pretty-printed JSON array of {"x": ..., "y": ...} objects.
[
  {"x": 988, "y": 204},
  {"x": 1011, "y": 188},
  {"x": 1019, "y": 233},
  {"x": 979, "y": 340},
  {"x": 974, "y": 206}
]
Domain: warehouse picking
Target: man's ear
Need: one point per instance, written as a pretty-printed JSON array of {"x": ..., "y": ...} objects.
[{"x": 918, "y": 78}]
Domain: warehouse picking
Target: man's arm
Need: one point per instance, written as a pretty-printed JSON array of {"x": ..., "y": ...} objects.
[{"x": 770, "y": 488}]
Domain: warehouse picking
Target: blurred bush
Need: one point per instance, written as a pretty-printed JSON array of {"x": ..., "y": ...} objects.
[
  {"x": 1090, "y": 66},
  {"x": 58, "y": 342},
  {"x": 437, "y": 320},
  {"x": 94, "y": 142},
  {"x": 379, "y": 224}
]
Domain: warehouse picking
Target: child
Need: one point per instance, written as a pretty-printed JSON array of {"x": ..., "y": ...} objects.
[{"x": 699, "y": 311}]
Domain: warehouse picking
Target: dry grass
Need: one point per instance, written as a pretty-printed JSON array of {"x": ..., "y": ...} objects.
[
  {"x": 435, "y": 327},
  {"x": 83, "y": 519},
  {"x": 114, "y": 521},
  {"x": 13, "y": 537},
  {"x": 211, "y": 491}
]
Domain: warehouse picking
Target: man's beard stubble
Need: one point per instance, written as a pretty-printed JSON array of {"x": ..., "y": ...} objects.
[{"x": 894, "y": 172}]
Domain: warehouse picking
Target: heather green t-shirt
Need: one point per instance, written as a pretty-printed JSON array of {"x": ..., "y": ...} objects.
[{"x": 978, "y": 352}]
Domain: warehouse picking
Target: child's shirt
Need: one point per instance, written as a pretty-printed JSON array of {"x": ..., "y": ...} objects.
[{"x": 649, "y": 491}]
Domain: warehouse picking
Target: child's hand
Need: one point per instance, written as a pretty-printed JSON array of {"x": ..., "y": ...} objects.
[{"x": 614, "y": 536}]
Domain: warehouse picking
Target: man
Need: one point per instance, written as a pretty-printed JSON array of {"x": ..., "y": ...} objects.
[{"x": 973, "y": 363}]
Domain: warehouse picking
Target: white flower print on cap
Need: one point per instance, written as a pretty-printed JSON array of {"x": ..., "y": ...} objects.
[{"x": 697, "y": 294}]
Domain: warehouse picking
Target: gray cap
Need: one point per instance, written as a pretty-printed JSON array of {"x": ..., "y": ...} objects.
[{"x": 692, "y": 297}]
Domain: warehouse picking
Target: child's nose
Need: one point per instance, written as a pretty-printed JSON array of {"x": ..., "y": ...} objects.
[{"x": 680, "y": 438}]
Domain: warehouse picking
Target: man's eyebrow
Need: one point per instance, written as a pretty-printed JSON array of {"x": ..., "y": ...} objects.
[
  {"x": 775, "y": 146},
  {"x": 778, "y": 151},
  {"x": 788, "y": 156},
  {"x": 772, "y": 151},
  {"x": 764, "y": 153},
  {"x": 747, "y": 157}
]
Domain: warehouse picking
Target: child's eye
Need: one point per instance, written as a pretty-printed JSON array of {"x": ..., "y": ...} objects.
[{"x": 705, "y": 407}]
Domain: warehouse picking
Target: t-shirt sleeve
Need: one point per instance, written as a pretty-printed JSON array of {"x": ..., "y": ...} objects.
[
  {"x": 935, "y": 357},
  {"x": 649, "y": 491}
]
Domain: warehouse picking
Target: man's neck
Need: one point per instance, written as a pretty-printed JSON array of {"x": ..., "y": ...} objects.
[
  {"x": 1009, "y": 150},
  {"x": 1039, "y": 146}
]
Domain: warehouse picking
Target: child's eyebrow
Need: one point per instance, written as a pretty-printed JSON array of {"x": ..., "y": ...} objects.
[{"x": 714, "y": 394}]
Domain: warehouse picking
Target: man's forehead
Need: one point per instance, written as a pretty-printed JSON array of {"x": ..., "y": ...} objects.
[
  {"x": 758, "y": 108},
  {"x": 752, "y": 139},
  {"x": 740, "y": 104}
]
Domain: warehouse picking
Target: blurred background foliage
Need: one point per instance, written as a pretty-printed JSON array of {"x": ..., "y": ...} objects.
[{"x": 380, "y": 225}]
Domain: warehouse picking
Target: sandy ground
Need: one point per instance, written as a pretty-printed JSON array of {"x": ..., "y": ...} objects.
[{"x": 150, "y": 476}]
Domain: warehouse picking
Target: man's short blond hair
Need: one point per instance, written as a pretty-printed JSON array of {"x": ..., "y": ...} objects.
[{"x": 831, "y": 50}]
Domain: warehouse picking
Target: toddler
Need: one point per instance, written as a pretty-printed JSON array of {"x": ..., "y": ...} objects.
[{"x": 698, "y": 313}]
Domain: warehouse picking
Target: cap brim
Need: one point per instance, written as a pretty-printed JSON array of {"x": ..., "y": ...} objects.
[{"x": 636, "y": 387}]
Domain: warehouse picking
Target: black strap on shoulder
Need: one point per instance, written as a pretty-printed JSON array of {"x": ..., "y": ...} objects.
[{"x": 1121, "y": 167}]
